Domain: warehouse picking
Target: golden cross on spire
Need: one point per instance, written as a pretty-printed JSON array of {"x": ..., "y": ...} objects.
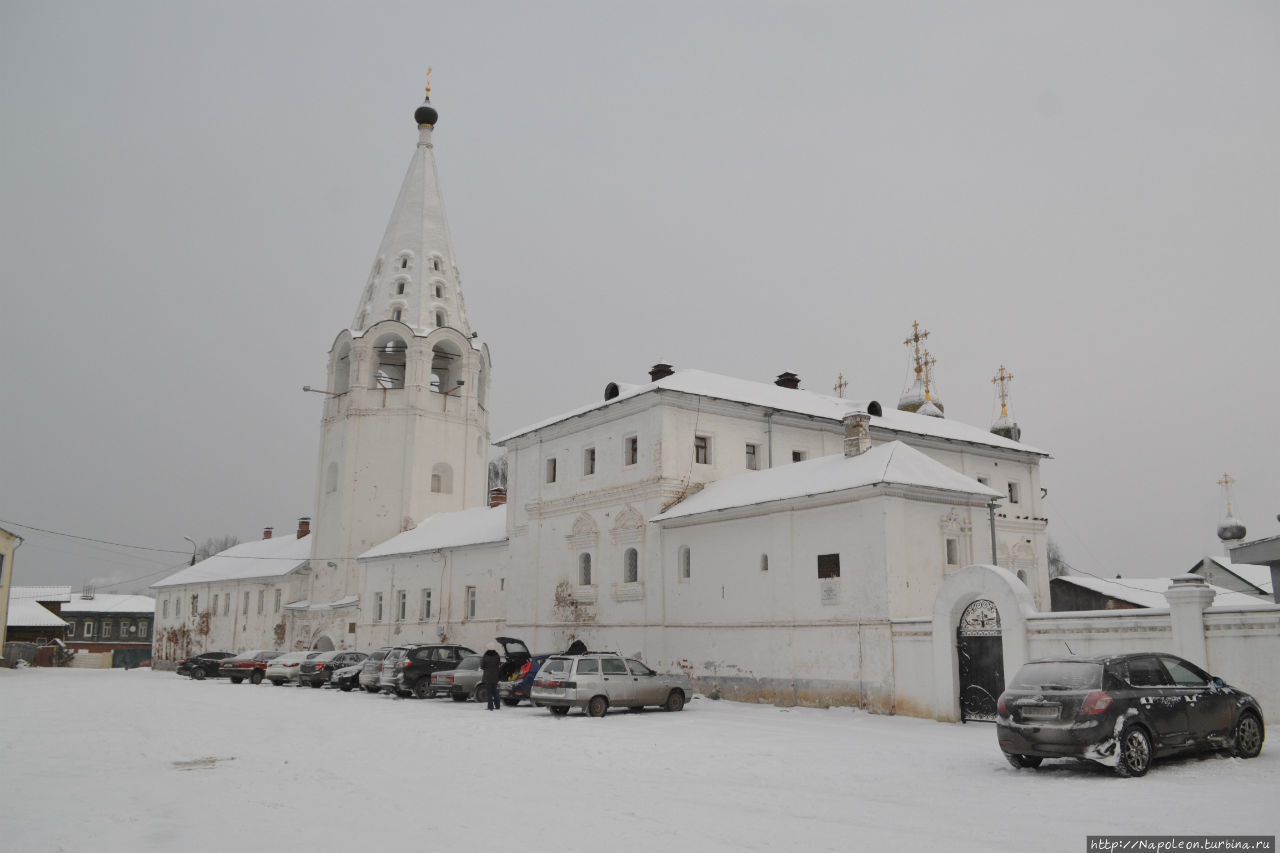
[
  {"x": 926, "y": 364},
  {"x": 840, "y": 386},
  {"x": 1002, "y": 378},
  {"x": 1226, "y": 482},
  {"x": 428, "y": 82},
  {"x": 917, "y": 337}
]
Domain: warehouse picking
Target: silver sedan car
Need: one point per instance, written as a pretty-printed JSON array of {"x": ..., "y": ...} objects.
[{"x": 599, "y": 681}]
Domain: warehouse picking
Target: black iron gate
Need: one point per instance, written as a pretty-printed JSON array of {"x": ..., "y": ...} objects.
[{"x": 981, "y": 654}]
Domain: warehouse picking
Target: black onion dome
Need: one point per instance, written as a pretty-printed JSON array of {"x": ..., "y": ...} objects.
[
  {"x": 1230, "y": 530},
  {"x": 426, "y": 114}
]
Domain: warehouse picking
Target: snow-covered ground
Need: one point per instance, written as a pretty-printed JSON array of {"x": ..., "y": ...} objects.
[{"x": 114, "y": 760}]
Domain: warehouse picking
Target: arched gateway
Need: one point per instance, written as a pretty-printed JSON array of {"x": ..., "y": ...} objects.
[{"x": 981, "y": 660}]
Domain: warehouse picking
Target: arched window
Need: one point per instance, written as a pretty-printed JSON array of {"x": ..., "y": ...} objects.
[
  {"x": 436, "y": 265},
  {"x": 331, "y": 478},
  {"x": 445, "y": 367},
  {"x": 440, "y": 319},
  {"x": 439, "y": 291},
  {"x": 395, "y": 315},
  {"x": 584, "y": 570},
  {"x": 764, "y": 562},
  {"x": 389, "y": 355},
  {"x": 399, "y": 287},
  {"x": 685, "y": 563},
  {"x": 630, "y": 566},
  {"x": 442, "y": 479},
  {"x": 342, "y": 370}
]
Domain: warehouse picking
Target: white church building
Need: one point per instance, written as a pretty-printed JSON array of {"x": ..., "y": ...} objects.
[{"x": 774, "y": 543}]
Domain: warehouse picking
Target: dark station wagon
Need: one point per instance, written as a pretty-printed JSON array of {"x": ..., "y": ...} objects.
[{"x": 1122, "y": 711}]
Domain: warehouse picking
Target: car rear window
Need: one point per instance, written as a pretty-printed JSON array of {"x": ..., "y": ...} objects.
[
  {"x": 1058, "y": 675},
  {"x": 470, "y": 662},
  {"x": 555, "y": 666}
]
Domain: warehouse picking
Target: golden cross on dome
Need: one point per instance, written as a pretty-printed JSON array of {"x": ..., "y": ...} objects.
[
  {"x": 1226, "y": 482},
  {"x": 917, "y": 337},
  {"x": 926, "y": 364},
  {"x": 840, "y": 386},
  {"x": 428, "y": 82},
  {"x": 1002, "y": 379}
]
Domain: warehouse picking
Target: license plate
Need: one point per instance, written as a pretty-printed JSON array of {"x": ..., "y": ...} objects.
[{"x": 1040, "y": 712}]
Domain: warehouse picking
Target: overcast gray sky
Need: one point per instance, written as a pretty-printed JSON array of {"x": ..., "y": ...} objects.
[{"x": 193, "y": 194}]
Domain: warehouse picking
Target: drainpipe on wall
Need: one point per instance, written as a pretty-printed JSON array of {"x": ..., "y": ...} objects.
[
  {"x": 769, "y": 435},
  {"x": 991, "y": 511}
]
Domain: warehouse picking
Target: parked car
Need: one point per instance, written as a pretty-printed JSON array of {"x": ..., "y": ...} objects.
[
  {"x": 203, "y": 665},
  {"x": 387, "y": 669},
  {"x": 319, "y": 670},
  {"x": 516, "y": 689},
  {"x": 413, "y": 670},
  {"x": 250, "y": 665},
  {"x": 1122, "y": 711},
  {"x": 372, "y": 668},
  {"x": 463, "y": 682},
  {"x": 347, "y": 678},
  {"x": 284, "y": 668},
  {"x": 598, "y": 681}
]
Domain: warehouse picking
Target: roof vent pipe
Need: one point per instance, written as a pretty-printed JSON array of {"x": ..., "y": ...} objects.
[
  {"x": 660, "y": 370},
  {"x": 267, "y": 531},
  {"x": 304, "y": 527}
]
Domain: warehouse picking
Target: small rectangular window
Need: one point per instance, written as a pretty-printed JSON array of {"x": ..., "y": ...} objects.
[
  {"x": 214, "y": 611},
  {"x": 377, "y": 607},
  {"x": 106, "y": 629},
  {"x": 195, "y": 604},
  {"x": 753, "y": 457},
  {"x": 71, "y": 630},
  {"x": 551, "y": 470},
  {"x": 426, "y": 605},
  {"x": 828, "y": 566},
  {"x": 799, "y": 455},
  {"x": 588, "y": 462},
  {"x": 953, "y": 551},
  {"x": 88, "y": 629},
  {"x": 402, "y": 605},
  {"x": 226, "y": 605},
  {"x": 277, "y": 602},
  {"x": 470, "y": 607},
  {"x": 986, "y": 481},
  {"x": 1013, "y": 493},
  {"x": 143, "y": 626},
  {"x": 246, "y": 603},
  {"x": 164, "y": 611},
  {"x": 262, "y": 600},
  {"x": 631, "y": 453},
  {"x": 702, "y": 449}
]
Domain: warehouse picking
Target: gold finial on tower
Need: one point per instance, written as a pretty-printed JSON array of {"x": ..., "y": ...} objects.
[
  {"x": 1226, "y": 482},
  {"x": 1002, "y": 378},
  {"x": 917, "y": 338},
  {"x": 428, "y": 82},
  {"x": 926, "y": 364},
  {"x": 840, "y": 386}
]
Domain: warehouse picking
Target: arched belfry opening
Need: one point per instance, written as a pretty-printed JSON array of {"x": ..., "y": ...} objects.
[
  {"x": 342, "y": 369},
  {"x": 389, "y": 369},
  {"x": 446, "y": 368}
]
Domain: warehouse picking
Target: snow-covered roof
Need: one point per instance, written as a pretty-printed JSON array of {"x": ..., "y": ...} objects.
[
  {"x": 105, "y": 602},
  {"x": 1256, "y": 576},
  {"x": 447, "y": 530},
  {"x": 30, "y": 613},
  {"x": 771, "y": 396},
  {"x": 1149, "y": 592},
  {"x": 262, "y": 558},
  {"x": 40, "y": 593},
  {"x": 892, "y": 462}
]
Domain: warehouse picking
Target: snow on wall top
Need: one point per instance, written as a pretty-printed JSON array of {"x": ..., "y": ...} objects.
[
  {"x": 1258, "y": 576},
  {"x": 30, "y": 613},
  {"x": 40, "y": 593},
  {"x": 768, "y": 395},
  {"x": 447, "y": 530},
  {"x": 892, "y": 462},
  {"x": 1149, "y": 592},
  {"x": 104, "y": 602},
  {"x": 262, "y": 558}
]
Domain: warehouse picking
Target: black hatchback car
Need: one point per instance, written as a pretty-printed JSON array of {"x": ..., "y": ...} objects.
[
  {"x": 1122, "y": 711},
  {"x": 203, "y": 665}
]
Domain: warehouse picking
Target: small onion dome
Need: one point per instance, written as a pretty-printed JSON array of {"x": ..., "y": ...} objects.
[
  {"x": 426, "y": 114},
  {"x": 1231, "y": 530},
  {"x": 1005, "y": 426},
  {"x": 913, "y": 398},
  {"x": 929, "y": 410}
]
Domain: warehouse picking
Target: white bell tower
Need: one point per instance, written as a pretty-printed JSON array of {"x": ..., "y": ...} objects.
[{"x": 405, "y": 431}]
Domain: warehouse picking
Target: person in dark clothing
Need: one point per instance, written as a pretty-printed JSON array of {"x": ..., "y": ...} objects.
[{"x": 490, "y": 663}]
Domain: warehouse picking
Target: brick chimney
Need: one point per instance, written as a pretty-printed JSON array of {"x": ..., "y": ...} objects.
[
  {"x": 787, "y": 380},
  {"x": 497, "y": 496},
  {"x": 304, "y": 527},
  {"x": 266, "y": 532},
  {"x": 857, "y": 433}
]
